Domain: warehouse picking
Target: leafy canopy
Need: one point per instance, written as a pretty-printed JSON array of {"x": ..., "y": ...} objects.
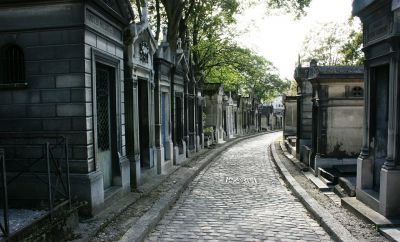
[
  {"x": 205, "y": 28},
  {"x": 334, "y": 44}
]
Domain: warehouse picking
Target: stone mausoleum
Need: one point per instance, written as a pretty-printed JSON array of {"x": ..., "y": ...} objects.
[
  {"x": 378, "y": 173},
  {"x": 290, "y": 116},
  {"x": 336, "y": 115},
  {"x": 304, "y": 112},
  {"x": 62, "y": 74}
]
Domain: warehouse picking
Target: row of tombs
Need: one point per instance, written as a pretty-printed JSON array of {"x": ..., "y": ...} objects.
[
  {"x": 344, "y": 122},
  {"x": 91, "y": 106}
]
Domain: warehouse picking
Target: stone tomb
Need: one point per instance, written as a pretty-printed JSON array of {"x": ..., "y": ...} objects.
[
  {"x": 304, "y": 113},
  {"x": 378, "y": 173},
  {"x": 337, "y": 115},
  {"x": 179, "y": 110},
  {"x": 290, "y": 116},
  {"x": 213, "y": 109},
  {"x": 163, "y": 76},
  {"x": 140, "y": 98},
  {"x": 229, "y": 116},
  {"x": 68, "y": 81},
  {"x": 265, "y": 111}
]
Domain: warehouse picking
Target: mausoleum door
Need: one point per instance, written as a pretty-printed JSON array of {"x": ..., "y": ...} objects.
[
  {"x": 103, "y": 98},
  {"x": 380, "y": 89},
  {"x": 144, "y": 132}
]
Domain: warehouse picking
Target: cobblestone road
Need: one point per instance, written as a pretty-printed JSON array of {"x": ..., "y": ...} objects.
[{"x": 239, "y": 197}]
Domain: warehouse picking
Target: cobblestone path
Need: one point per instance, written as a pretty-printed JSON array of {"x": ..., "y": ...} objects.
[{"x": 239, "y": 197}]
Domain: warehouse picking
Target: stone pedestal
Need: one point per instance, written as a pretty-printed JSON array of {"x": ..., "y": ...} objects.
[
  {"x": 89, "y": 188},
  {"x": 176, "y": 156},
  {"x": 302, "y": 143},
  {"x": 389, "y": 195},
  {"x": 153, "y": 157},
  {"x": 135, "y": 172},
  {"x": 364, "y": 173},
  {"x": 179, "y": 158},
  {"x": 125, "y": 178},
  {"x": 160, "y": 160},
  {"x": 202, "y": 140},
  {"x": 169, "y": 150},
  {"x": 198, "y": 146}
]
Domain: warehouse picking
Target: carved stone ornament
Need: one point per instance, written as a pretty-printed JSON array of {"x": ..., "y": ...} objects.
[{"x": 144, "y": 52}]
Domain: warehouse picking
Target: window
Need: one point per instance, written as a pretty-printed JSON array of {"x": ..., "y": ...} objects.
[
  {"x": 357, "y": 92},
  {"x": 12, "y": 65}
]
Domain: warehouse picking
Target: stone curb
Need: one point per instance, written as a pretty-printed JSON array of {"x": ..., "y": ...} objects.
[
  {"x": 324, "y": 218},
  {"x": 149, "y": 220}
]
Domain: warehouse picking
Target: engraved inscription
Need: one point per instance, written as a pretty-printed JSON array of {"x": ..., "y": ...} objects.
[
  {"x": 101, "y": 25},
  {"x": 240, "y": 180},
  {"x": 378, "y": 29}
]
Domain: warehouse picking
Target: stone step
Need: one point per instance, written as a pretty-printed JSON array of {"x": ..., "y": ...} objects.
[
  {"x": 329, "y": 175},
  {"x": 323, "y": 187},
  {"x": 348, "y": 184},
  {"x": 346, "y": 170}
]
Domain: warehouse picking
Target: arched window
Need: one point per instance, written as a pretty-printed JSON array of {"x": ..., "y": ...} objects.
[
  {"x": 12, "y": 64},
  {"x": 357, "y": 92}
]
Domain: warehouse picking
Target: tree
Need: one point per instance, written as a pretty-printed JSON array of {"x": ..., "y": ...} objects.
[
  {"x": 334, "y": 44},
  {"x": 351, "y": 50},
  {"x": 203, "y": 27},
  {"x": 242, "y": 71},
  {"x": 296, "y": 7},
  {"x": 292, "y": 90}
]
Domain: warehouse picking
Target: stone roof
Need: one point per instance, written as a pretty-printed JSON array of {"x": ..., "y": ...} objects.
[
  {"x": 318, "y": 71},
  {"x": 359, "y": 5}
]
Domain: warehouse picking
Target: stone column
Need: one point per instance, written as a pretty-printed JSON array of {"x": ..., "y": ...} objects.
[
  {"x": 200, "y": 123},
  {"x": 365, "y": 165},
  {"x": 186, "y": 116},
  {"x": 392, "y": 117},
  {"x": 365, "y": 144},
  {"x": 153, "y": 158},
  {"x": 129, "y": 128},
  {"x": 389, "y": 197},
  {"x": 157, "y": 122}
]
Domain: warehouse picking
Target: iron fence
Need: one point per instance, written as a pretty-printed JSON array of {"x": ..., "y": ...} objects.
[{"x": 54, "y": 157}]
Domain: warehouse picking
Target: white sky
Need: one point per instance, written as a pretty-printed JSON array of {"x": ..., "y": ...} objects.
[{"x": 279, "y": 38}]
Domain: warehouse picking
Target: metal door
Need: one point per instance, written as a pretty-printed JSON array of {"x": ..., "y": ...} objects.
[{"x": 104, "y": 156}]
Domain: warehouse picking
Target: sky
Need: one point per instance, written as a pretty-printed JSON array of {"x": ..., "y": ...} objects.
[{"x": 279, "y": 38}]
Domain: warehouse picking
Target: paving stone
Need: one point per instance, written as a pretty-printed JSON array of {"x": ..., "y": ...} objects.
[{"x": 236, "y": 209}]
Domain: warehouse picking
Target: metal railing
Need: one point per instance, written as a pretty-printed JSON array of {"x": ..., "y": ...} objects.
[
  {"x": 5, "y": 229},
  {"x": 55, "y": 176}
]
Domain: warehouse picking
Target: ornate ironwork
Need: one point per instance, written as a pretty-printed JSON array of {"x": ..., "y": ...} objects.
[
  {"x": 144, "y": 52},
  {"x": 103, "y": 110}
]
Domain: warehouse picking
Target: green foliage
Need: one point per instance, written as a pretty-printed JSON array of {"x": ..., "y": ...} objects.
[
  {"x": 205, "y": 27},
  {"x": 208, "y": 131},
  {"x": 334, "y": 44},
  {"x": 292, "y": 90},
  {"x": 295, "y": 7},
  {"x": 243, "y": 71},
  {"x": 351, "y": 50}
]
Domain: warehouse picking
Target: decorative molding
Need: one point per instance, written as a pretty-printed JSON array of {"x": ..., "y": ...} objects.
[
  {"x": 102, "y": 25},
  {"x": 144, "y": 51}
]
